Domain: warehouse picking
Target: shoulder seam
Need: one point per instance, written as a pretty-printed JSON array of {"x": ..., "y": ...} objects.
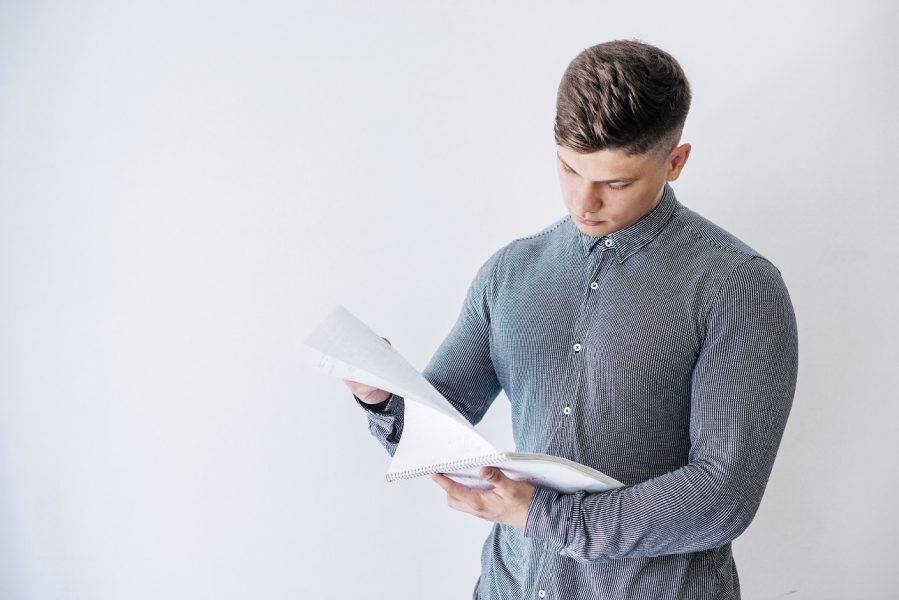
[
  {"x": 545, "y": 231},
  {"x": 706, "y": 238},
  {"x": 491, "y": 289},
  {"x": 727, "y": 278}
]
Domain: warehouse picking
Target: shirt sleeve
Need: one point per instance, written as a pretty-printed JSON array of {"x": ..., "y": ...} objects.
[
  {"x": 742, "y": 389},
  {"x": 386, "y": 425},
  {"x": 461, "y": 369}
]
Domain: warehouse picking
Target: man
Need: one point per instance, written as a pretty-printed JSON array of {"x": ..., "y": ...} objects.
[{"x": 633, "y": 336}]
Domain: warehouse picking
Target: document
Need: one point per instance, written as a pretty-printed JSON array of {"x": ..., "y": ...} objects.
[{"x": 436, "y": 438}]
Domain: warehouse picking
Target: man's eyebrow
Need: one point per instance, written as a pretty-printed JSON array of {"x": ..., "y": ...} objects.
[{"x": 616, "y": 180}]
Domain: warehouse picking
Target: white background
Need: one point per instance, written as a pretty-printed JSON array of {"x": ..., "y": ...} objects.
[{"x": 187, "y": 187}]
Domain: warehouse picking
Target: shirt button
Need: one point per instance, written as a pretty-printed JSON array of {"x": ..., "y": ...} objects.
[
  {"x": 567, "y": 410},
  {"x": 577, "y": 347},
  {"x": 594, "y": 285},
  {"x": 608, "y": 242},
  {"x": 541, "y": 594}
]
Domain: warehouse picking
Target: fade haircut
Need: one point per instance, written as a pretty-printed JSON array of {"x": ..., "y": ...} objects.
[{"x": 622, "y": 94}]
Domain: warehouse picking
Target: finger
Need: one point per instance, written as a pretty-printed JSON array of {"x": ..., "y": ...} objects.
[
  {"x": 451, "y": 487},
  {"x": 496, "y": 478},
  {"x": 440, "y": 479},
  {"x": 464, "y": 494},
  {"x": 473, "y": 505}
]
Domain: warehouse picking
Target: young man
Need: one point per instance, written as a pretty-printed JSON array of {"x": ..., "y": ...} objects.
[{"x": 633, "y": 336}]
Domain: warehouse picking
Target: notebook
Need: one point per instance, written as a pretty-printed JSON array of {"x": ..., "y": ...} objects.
[{"x": 436, "y": 437}]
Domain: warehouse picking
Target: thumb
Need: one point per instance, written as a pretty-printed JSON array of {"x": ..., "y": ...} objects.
[{"x": 494, "y": 476}]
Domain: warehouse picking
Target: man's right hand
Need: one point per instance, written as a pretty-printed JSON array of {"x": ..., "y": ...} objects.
[{"x": 367, "y": 393}]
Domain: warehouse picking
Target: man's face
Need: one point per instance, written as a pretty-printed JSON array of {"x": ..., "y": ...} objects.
[{"x": 608, "y": 190}]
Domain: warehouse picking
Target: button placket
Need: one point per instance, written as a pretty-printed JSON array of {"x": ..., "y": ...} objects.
[{"x": 589, "y": 302}]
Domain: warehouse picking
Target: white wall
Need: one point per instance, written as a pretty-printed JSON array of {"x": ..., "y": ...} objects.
[{"x": 186, "y": 187}]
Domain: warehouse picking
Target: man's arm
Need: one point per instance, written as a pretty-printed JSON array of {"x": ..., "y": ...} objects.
[
  {"x": 460, "y": 369},
  {"x": 742, "y": 390},
  {"x": 385, "y": 421}
]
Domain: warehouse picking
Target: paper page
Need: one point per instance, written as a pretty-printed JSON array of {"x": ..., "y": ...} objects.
[
  {"x": 430, "y": 438},
  {"x": 541, "y": 470},
  {"x": 433, "y": 431},
  {"x": 346, "y": 348}
]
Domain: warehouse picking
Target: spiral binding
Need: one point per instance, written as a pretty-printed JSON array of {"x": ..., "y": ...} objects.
[{"x": 446, "y": 467}]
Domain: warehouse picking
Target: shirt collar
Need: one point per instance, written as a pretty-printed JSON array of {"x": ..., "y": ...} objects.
[{"x": 629, "y": 240}]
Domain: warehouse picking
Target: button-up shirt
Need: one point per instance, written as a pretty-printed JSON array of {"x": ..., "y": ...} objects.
[{"x": 664, "y": 355}]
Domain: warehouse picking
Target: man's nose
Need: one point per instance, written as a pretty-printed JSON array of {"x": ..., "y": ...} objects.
[{"x": 587, "y": 199}]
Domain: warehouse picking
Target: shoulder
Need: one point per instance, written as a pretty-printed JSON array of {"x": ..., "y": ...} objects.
[
  {"x": 711, "y": 249},
  {"x": 710, "y": 238},
  {"x": 732, "y": 272},
  {"x": 549, "y": 242},
  {"x": 525, "y": 251}
]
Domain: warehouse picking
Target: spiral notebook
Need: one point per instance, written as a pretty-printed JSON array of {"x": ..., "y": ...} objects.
[{"x": 436, "y": 438}]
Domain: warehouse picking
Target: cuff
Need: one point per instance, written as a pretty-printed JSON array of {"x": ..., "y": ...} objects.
[
  {"x": 549, "y": 515},
  {"x": 386, "y": 425},
  {"x": 383, "y": 419},
  {"x": 375, "y": 408}
]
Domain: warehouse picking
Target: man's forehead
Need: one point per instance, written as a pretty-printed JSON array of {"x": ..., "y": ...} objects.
[{"x": 605, "y": 163}]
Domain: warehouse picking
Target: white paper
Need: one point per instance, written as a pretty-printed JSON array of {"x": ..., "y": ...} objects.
[
  {"x": 433, "y": 430},
  {"x": 346, "y": 348},
  {"x": 435, "y": 434}
]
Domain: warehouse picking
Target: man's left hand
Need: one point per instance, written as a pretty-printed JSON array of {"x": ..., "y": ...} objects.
[{"x": 506, "y": 503}]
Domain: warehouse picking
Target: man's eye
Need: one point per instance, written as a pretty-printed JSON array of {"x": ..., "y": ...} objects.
[{"x": 620, "y": 186}]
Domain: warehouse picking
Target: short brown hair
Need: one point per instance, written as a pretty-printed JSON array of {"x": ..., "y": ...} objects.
[{"x": 622, "y": 94}]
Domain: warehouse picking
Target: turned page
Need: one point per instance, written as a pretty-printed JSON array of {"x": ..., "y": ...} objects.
[{"x": 433, "y": 431}]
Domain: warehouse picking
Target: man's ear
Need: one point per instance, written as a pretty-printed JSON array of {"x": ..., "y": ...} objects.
[{"x": 676, "y": 161}]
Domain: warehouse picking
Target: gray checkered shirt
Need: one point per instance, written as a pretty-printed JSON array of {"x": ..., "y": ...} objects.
[{"x": 663, "y": 354}]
